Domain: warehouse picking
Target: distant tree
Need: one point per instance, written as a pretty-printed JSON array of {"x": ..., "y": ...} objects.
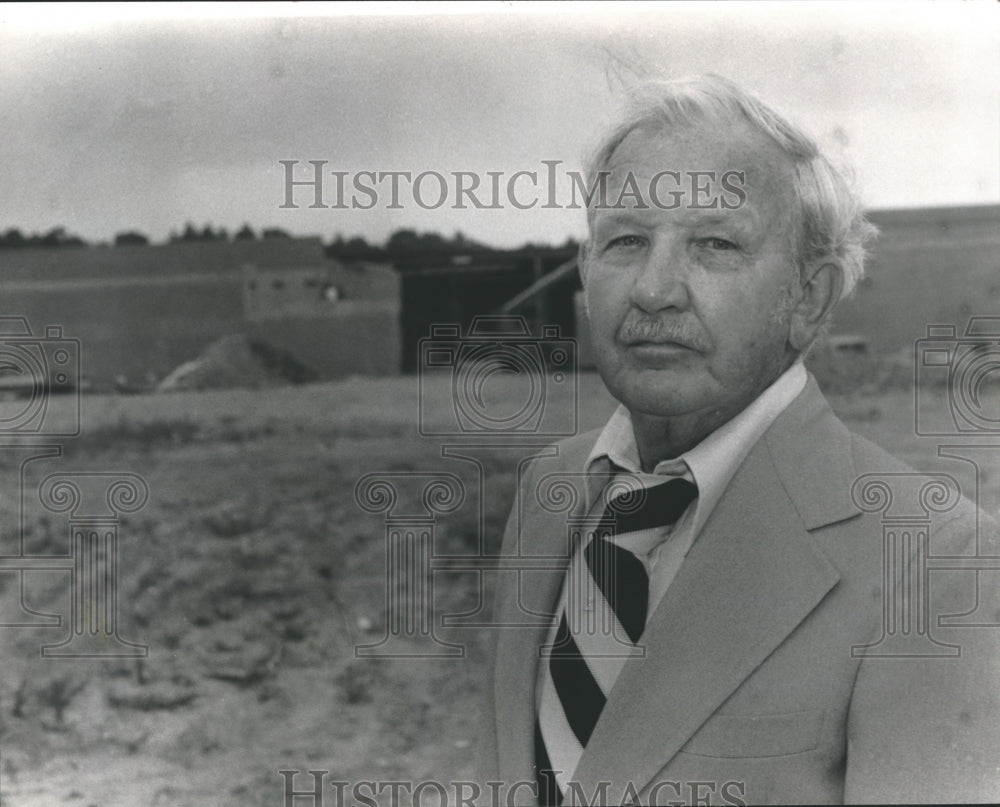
[
  {"x": 409, "y": 242},
  {"x": 362, "y": 249},
  {"x": 131, "y": 238},
  {"x": 335, "y": 249},
  {"x": 245, "y": 234},
  {"x": 54, "y": 237},
  {"x": 401, "y": 242},
  {"x": 57, "y": 237},
  {"x": 13, "y": 239},
  {"x": 354, "y": 249},
  {"x": 206, "y": 233},
  {"x": 274, "y": 232}
]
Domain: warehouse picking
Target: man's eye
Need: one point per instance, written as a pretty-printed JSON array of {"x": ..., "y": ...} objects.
[
  {"x": 716, "y": 243},
  {"x": 626, "y": 241}
]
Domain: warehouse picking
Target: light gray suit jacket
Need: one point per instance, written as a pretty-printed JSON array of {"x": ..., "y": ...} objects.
[{"x": 749, "y": 685}]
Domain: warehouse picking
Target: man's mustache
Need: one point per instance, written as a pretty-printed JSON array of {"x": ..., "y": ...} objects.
[{"x": 638, "y": 329}]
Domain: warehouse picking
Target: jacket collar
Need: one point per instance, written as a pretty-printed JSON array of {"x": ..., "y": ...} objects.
[{"x": 813, "y": 456}]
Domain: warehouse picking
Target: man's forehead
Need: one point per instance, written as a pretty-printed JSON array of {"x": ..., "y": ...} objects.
[
  {"x": 699, "y": 146},
  {"x": 682, "y": 168},
  {"x": 627, "y": 214}
]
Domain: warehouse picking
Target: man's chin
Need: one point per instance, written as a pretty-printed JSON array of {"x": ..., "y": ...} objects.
[{"x": 665, "y": 392}]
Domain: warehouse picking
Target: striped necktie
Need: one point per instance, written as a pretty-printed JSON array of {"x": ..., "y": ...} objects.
[{"x": 589, "y": 652}]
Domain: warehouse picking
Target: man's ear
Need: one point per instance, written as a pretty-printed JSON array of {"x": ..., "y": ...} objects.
[{"x": 822, "y": 284}]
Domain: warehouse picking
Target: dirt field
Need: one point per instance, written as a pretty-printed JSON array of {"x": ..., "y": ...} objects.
[{"x": 251, "y": 574}]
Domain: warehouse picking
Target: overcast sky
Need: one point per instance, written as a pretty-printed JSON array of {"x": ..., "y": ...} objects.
[{"x": 114, "y": 124}]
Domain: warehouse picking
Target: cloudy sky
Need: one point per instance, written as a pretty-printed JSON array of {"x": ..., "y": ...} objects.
[{"x": 128, "y": 119}]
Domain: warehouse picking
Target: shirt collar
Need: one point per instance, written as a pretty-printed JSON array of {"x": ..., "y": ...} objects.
[{"x": 715, "y": 459}]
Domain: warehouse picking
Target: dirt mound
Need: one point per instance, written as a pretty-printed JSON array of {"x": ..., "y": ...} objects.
[{"x": 238, "y": 361}]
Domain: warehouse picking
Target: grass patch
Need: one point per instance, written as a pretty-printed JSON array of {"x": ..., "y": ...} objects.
[{"x": 133, "y": 435}]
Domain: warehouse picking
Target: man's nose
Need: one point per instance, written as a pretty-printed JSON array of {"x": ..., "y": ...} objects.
[{"x": 661, "y": 280}]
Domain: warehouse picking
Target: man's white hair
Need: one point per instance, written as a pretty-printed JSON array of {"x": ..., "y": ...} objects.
[{"x": 829, "y": 219}]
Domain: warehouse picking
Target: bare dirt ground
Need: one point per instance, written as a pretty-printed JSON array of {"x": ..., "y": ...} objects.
[{"x": 251, "y": 574}]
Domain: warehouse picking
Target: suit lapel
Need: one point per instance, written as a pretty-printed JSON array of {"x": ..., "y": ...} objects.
[
  {"x": 517, "y": 652},
  {"x": 525, "y": 609},
  {"x": 751, "y": 577}
]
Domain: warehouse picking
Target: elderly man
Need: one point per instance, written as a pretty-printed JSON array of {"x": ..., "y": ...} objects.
[{"x": 742, "y": 582}]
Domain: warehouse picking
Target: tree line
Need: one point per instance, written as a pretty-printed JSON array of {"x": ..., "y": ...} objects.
[
  {"x": 408, "y": 243},
  {"x": 403, "y": 242},
  {"x": 13, "y": 238}
]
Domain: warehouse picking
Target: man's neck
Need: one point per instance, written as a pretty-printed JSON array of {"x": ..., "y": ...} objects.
[{"x": 665, "y": 438}]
